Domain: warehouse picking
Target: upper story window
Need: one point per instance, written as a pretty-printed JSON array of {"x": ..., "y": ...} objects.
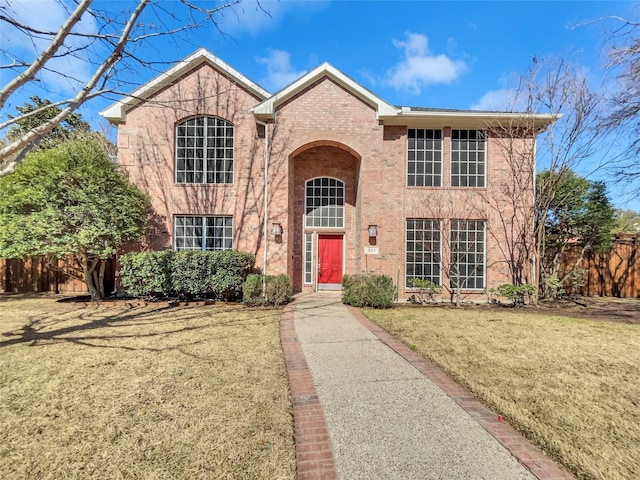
[
  {"x": 424, "y": 157},
  {"x": 468, "y": 158},
  {"x": 204, "y": 151},
  {"x": 324, "y": 203}
]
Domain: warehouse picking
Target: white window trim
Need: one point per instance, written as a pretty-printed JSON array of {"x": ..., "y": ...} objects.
[
  {"x": 344, "y": 194},
  {"x": 441, "y": 174},
  {"x": 484, "y": 252},
  {"x": 204, "y": 160},
  {"x": 440, "y": 224},
  {"x": 204, "y": 232},
  {"x": 486, "y": 158}
]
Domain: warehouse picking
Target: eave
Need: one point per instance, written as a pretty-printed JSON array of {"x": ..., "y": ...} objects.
[{"x": 117, "y": 112}]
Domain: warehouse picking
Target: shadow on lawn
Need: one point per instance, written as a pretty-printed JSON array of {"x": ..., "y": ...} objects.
[{"x": 34, "y": 331}]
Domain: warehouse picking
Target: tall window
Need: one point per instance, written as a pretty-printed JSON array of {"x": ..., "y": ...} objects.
[
  {"x": 308, "y": 257},
  {"x": 203, "y": 233},
  {"x": 467, "y": 244},
  {"x": 468, "y": 158},
  {"x": 424, "y": 157},
  {"x": 324, "y": 203},
  {"x": 204, "y": 151},
  {"x": 423, "y": 250}
]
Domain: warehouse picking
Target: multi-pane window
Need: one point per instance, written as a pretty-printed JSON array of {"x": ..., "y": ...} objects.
[
  {"x": 324, "y": 203},
  {"x": 204, "y": 151},
  {"x": 467, "y": 260},
  {"x": 424, "y": 157},
  {"x": 423, "y": 250},
  {"x": 468, "y": 158},
  {"x": 203, "y": 233},
  {"x": 308, "y": 257}
]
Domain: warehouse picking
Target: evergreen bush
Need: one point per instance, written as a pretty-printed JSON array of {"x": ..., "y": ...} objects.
[{"x": 376, "y": 291}]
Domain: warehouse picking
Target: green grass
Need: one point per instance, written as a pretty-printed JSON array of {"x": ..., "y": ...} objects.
[
  {"x": 142, "y": 392},
  {"x": 572, "y": 386}
]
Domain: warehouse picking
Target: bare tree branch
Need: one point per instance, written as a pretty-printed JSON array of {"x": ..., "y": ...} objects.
[{"x": 48, "y": 52}]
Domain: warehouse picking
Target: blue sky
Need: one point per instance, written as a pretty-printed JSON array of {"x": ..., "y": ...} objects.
[{"x": 433, "y": 54}]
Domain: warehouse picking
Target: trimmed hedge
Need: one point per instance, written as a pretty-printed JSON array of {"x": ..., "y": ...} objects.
[
  {"x": 278, "y": 290},
  {"x": 375, "y": 291},
  {"x": 167, "y": 273}
]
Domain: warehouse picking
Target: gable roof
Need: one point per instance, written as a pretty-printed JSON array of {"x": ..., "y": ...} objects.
[
  {"x": 389, "y": 114},
  {"x": 116, "y": 113},
  {"x": 267, "y": 108}
]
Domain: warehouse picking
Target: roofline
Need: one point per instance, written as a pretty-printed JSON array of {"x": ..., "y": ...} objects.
[
  {"x": 266, "y": 109},
  {"x": 116, "y": 113},
  {"x": 472, "y": 118}
]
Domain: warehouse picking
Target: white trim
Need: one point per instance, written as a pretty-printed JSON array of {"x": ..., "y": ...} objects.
[
  {"x": 117, "y": 112},
  {"x": 267, "y": 108}
]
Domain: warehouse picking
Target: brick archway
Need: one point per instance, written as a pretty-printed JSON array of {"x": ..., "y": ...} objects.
[{"x": 321, "y": 159}]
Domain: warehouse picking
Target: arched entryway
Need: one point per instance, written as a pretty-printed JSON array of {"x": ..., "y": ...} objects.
[{"x": 323, "y": 200}]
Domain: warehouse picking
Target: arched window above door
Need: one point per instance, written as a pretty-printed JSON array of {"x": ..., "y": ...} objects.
[{"x": 324, "y": 203}]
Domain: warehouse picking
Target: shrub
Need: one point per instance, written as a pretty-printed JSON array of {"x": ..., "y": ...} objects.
[
  {"x": 277, "y": 290},
  {"x": 516, "y": 293},
  {"x": 375, "y": 291},
  {"x": 426, "y": 290},
  {"x": 218, "y": 274},
  {"x": 146, "y": 274}
]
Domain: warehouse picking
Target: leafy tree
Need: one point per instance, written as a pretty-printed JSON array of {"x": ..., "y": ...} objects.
[
  {"x": 579, "y": 213},
  {"x": 38, "y": 112},
  {"x": 70, "y": 202},
  {"x": 626, "y": 221}
]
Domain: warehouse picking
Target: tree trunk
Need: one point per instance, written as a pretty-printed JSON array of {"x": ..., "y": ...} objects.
[{"x": 89, "y": 267}]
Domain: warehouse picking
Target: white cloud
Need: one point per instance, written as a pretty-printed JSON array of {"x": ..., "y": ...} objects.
[
  {"x": 420, "y": 66},
  {"x": 495, "y": 100},
  {"x": 280, "y": 72},
  {"x": 61, "y": 74}
]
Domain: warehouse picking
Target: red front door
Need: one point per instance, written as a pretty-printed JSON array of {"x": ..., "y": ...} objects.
[{"x": 330, "y": 259}]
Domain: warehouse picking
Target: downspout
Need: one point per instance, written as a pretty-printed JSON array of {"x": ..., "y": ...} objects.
[{"x": 265, "y": 226}]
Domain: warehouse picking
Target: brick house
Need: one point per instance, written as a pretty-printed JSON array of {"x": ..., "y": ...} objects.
[{"x": 325, "y": 178}]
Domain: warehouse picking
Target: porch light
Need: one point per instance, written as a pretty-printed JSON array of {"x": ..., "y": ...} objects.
[
  {"x": 276, "y": 229},
  {"x": 373, "y": 231}
]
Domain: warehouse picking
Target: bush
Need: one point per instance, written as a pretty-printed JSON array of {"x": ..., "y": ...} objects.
[
  {"x": 516, "y": 293},
  {"x": 217, "y": 274},
  {"x": 426, "y": 290},
  {"x": 375, "y": 291},
  {"x": 277, "y": 290},
  {"x": 146, "y": 274}
]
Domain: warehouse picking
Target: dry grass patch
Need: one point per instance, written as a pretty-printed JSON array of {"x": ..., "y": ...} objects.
[
  {"x": 572, "y": 386},
  {"x": 151, "y": 392}
]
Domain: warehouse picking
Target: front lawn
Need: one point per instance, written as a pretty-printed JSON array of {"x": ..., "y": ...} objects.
[
  {"x": 122, "y": 390},
  {"x": 570, "y": 385}
]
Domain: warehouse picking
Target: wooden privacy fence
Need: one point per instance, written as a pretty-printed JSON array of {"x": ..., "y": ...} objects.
[
  {"x": 612, "y": 274},
  {"x": 37, "y": 274}
]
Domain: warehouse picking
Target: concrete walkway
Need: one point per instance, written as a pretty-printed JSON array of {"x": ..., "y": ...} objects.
[{"x": 385, "y": 418}]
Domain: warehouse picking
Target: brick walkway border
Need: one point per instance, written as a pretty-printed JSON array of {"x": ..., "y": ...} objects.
[
  {"x": 314, "y": 455},
  {"x": 529, "y": 455}
]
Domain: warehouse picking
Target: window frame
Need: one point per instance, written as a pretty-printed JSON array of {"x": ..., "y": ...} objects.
[
  {"x": 467, "y": 163},
  {"x": 437, "y": 263},
  {"x": 204, "y": 145},
  {"x": 339, "y": 219},
  {"x": 436, "y": 178},
  {"x": 483, "y": 252},
  {"x": 204, "y": 219}
]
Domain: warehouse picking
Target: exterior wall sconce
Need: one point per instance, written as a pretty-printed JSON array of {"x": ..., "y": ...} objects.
[
  {"x": 373, "y": 231},
  {"x": 276, "y": 229}
]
